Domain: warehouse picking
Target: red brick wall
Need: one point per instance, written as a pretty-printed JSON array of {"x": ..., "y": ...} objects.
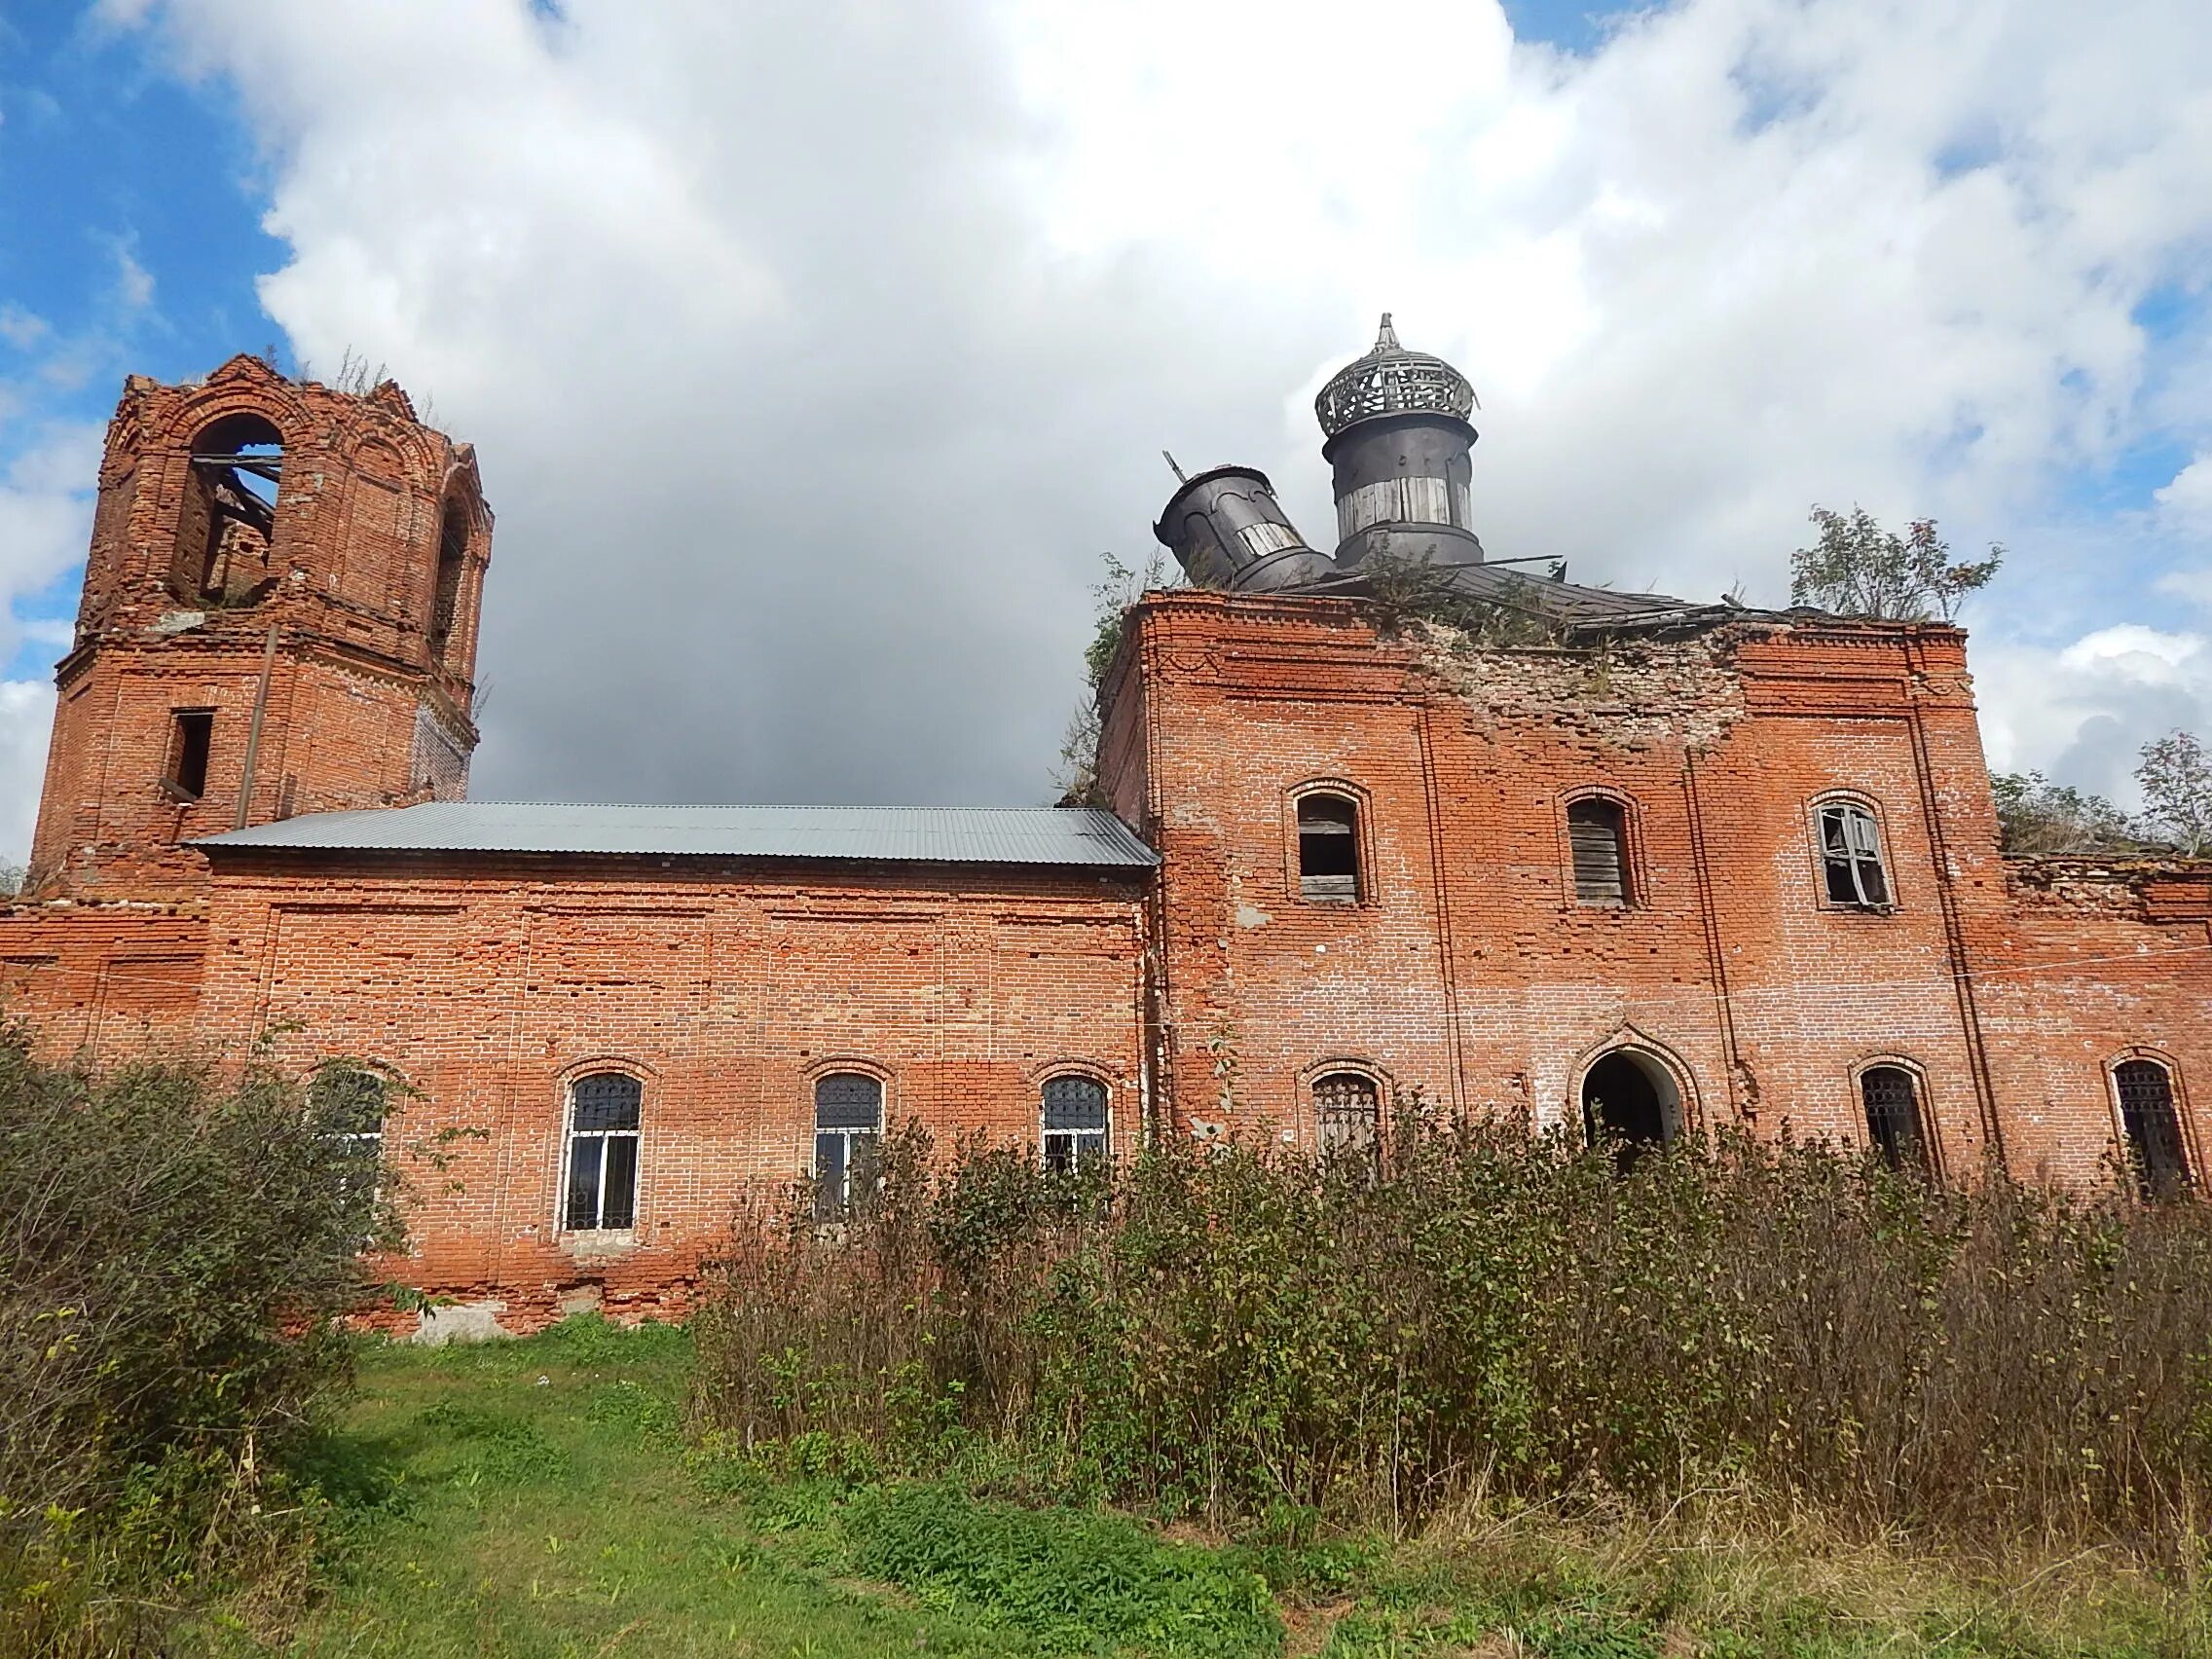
[
  {"x": 727, "y": 991},
  {"x": 117, "y": 982},
  {"x": 350, "y": 574},
  {"x": 1469, "y": 973}
]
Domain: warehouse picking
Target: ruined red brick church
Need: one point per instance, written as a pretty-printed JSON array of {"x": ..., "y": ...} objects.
[{"x": 1617, "y": 860}]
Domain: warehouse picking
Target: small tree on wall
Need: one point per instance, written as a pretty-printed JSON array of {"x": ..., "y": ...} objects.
[
  {"x": 2035, "y": 815},
  {"x": 1859, "y": 568},
  {"x": 11, "y": 879},
  {"x": 2176, "y": 774}
]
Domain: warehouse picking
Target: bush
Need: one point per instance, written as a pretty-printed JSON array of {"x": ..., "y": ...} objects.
[
  {"x": 1233, "y": 1331},
  {"x": 173, "y": 1260}
]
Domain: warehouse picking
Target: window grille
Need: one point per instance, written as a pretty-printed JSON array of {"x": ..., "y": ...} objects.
[
  {"x": 1347, "y": 1111},
  {"x": 604, "y": 1111},
  {"x": 1892, "y": 1116},
  {"x": 1851, "y": 856},
  {"x": 848, "y": 1120},
  {"x": 2154, "y": 1127},
  {"x": 1075, "y": 1123},
  {"x": 1328, "y": 849},
  {"x": 1595, "y": 838}
]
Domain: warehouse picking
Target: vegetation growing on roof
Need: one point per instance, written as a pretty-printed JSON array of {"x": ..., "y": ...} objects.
[{"x": 1859, "y": 568}]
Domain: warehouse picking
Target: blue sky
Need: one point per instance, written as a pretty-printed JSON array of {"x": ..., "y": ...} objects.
[{"x": 1708, "y": 263}]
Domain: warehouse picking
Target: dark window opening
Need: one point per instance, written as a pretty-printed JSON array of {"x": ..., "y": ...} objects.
[
  {"x": 1851, "y": 856},
  {"x": 2154, "y": 1127},
  {"x": 848, "y": 1122},
  {"x": 603, "y": 1115},
  {"x": 1892, "y": 1116},
  {"x": 1328, "y": 849},
  {"x": 453, "y": 544},
  {"x": 1348, "y": 1112},
  {"x": 191, "y": 735},
  {"x": 228, "y": 521},
  {"x": 1597, "y": 838},
  {"x": 1623, "y": 1103},
  {"x": 1075, "y": 1123}
]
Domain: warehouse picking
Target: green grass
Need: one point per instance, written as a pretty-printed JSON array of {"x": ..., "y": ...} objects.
[{"x": 538, "y": 1498}]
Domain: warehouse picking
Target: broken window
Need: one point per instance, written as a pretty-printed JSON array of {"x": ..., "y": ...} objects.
[
  {"x": 1328, "y": 849},
  {"x": 1075, "y": 1123},
  {"x": 604, "y": 1111},
  {"x": 192, "y": 733},
  {"x": 1598, "y": 841},
  {"x": 453, "y": 544},
  {"x": 2153, "y": 1129},
  {"x": 228, "y": 521},
  {"x": 1348, "y": 1112},
  {"x": 1851, "y": 856},
  {"x": 1892, "y": 1116},
  {"x": 848, "y": 1121}
]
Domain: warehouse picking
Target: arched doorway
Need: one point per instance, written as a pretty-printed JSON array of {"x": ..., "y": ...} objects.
[{"x": 1632, "y": 1099}]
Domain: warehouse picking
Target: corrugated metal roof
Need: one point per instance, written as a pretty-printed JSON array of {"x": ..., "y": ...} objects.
[{"x": 1014, "y": 835}]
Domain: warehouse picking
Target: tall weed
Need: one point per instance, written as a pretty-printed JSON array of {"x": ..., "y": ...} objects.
[{"x": 1230, "y": 1330}]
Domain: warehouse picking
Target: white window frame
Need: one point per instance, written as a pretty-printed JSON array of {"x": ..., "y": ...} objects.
[
  {"x": 1079, "y": 1145},
  {"x": 604, "y": 1138},
  {"x": 828, "y": 1206},
  {"x": 1863, "y": 843}
]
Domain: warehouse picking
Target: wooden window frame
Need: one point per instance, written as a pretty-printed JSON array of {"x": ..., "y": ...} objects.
[
  {"x": 1885, "y": 855},
  {"x": 1630, "y": 841},
  {"x": 1294, "y": 863}
]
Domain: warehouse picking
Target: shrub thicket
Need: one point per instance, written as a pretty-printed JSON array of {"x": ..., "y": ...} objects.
[
  {"x": 1232, "y": 1331},
  {"x": 173, "y": 1259}
]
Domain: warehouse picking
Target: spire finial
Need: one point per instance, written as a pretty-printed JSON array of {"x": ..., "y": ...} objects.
[{"x": 1385, "y": 338}]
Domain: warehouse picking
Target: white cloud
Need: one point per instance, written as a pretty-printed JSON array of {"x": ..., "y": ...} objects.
[
  {"x": 813, "y": 358},
  {"x": 2188, "y": 499},
  {"x": 26, "y": 710},
  {"x": 2084, "y": 712}
]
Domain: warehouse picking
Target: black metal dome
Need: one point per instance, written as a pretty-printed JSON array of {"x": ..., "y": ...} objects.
[{"x": 1392, "y": 381}]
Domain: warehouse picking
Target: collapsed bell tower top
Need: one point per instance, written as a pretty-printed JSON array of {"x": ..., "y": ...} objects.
[{"x": 1390, "y": 380}]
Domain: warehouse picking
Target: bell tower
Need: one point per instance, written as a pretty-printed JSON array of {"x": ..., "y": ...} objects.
[{"x": 278, "y": 616}]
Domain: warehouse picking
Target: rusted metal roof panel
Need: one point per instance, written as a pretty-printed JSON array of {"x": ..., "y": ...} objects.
[{"x": 1068, "y": 837}]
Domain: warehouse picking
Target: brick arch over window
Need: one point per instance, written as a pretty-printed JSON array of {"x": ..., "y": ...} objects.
[{"x": 1347, "y": 1101}]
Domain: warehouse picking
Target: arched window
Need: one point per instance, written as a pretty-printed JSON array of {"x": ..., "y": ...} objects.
[
  {"x": 1347, "y": 1112},
  {"x": 2153, "y": 1129},
  {"x": 1597, "y": 838},
  {"x": 1328, "y": 849},
  {"x": 1892, "y": 1098},
  {"x": 1851, "y": 856},
  {"x": 848, "y": 1120},
  {"x": 228, "y": 520},
  {"x": 452, "y": 546},
  {"x": 1633, "y": 1100},
  {"x": 604, "y": 1111},
  {"x": 1075, "y": 1122},
  {"x": 348, "y": 1102}
]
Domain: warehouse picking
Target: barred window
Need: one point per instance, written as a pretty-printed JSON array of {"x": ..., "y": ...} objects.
[
  {"x": 2154, "y": 1127},
  {"x": 1347, "y": 1112},
  {"x": 1892, "y": 1116},
  {"x": 1075, "y": 1122},
  {"x": 848, "y": 1121},
  {"x": 1851, "y": 856},
  {"x": 1328, "y": 849},
  {"x": 1596, "y": 839},
  {"x": 604, "y": 1114}
]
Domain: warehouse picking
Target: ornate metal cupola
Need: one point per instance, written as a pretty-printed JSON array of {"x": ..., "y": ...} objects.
[{"x": 1396, "y": 437}]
